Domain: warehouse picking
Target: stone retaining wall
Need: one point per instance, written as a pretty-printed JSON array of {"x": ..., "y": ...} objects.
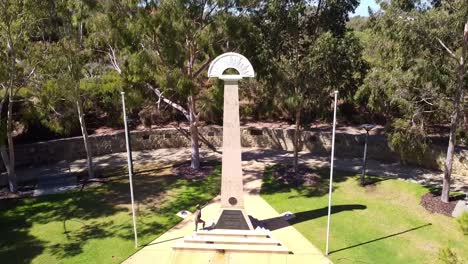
[{"x": 347, "y": 145}]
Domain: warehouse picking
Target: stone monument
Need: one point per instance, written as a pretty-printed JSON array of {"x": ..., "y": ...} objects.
[
  {"x": 233, "y": 230},
  {"x": 233, "y": 215}
]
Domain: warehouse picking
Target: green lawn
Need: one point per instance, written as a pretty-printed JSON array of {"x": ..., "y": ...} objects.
[
  {"x": 382, "y": 223},
  {"x": 95, "y": 225}
]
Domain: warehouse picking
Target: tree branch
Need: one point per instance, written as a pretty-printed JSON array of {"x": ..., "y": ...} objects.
[
  {"x": 169, "y": 102},
  {"x": 2, "y": 102},
  {"x": 113, "y": 59},
  {"x": 202, "y": 68},
  {"x": 447, "y": 49}
]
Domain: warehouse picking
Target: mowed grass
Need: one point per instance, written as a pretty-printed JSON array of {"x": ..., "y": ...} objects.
[
  {"x": 95, "y": 225},
  {"x": 381, "y": 223}
]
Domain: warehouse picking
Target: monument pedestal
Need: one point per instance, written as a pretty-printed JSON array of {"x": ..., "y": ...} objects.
[{"x": 234, "y": 219}]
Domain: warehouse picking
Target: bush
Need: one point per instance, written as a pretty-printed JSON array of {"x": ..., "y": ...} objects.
[
  {"x": 407, "y": 140},
  {"x": 463, "y": 222},
  {"x": 448, "y": 256}
]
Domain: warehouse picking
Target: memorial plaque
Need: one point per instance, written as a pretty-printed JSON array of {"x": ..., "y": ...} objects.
[{"x": 232, "y": 219}]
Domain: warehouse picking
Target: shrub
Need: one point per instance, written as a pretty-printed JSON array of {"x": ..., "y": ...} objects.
[
  {"x": 448, "y": 256},
  {"x": 407, "y": 140},
  {"x": 463, "y": 222}
]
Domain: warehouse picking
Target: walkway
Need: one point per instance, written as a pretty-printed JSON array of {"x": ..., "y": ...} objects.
[{"x": 268, "y": 156}]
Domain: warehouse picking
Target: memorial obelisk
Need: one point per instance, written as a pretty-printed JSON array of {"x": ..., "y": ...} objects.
[
  {"x": 233, "y": 231},
  {"x": 233, "y": 215}
]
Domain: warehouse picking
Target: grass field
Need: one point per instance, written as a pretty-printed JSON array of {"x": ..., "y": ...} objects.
[
  {"x": 381, "y": 223},
  {"x": 95, "y": 225}
]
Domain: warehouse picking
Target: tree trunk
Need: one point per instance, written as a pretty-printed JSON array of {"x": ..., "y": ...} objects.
[
  {"x": 84, "y": 132},
  {"x": 452, "y": 143},
  {"x": 445, "y": 196},
  {"x": 195, "y": 163},
  {"x": 6, "y": 162},
  {"x": 296, "y": 140},
  {"x": 10, "y": 159}
]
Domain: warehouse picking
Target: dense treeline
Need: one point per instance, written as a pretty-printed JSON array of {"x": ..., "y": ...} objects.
[{"x": 64, "y": 63}]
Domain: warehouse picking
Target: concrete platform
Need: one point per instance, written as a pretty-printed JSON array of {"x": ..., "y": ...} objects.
[{"x": 160, "y": 250}]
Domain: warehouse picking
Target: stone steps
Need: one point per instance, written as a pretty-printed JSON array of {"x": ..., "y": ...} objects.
[
  {"x": 234, "y": 247},
  {"x": 232, "y": 240},
  {"x": 233, "y": 232}
]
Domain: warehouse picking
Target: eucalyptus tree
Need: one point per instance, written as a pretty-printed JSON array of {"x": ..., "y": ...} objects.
[
  {"x": 69, "y": 64},
  {"x": 306, "y": 52},
  {"x": 418, "y": 75},
  {"x": 21, "y": 28},
  {"x": 178, "y": 40},
  {"x": 455, "y": 15}
]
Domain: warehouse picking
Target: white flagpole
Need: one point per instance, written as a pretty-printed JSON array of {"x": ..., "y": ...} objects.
[
  {"x": 331, "y": 172},
  {"x": 130, "y": 170}
]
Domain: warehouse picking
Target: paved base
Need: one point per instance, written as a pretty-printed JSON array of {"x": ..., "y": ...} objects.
[
  {"x": 160, "y": 250},
  {"x": 462, "y": 206}
]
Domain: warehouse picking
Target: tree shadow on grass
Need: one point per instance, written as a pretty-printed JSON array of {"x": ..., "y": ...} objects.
[
  {"x": 77, "y": 238},
  {"x": 89, "y": 208},
  {"x": 371, "y": 180},
  {"x": 272, "y": 185},
  {"x": 381, "y": 238},
  {"x": 16, "y": 244},
  {"x": 19, "y": 215},
  {"x": 279, "y": 222}
]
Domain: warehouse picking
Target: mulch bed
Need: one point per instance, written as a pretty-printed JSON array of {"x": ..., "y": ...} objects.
[
  {"x": 305, "y": 176},
  {"x": 184, "y": 170},
  {"x": 433, "y": 204}
]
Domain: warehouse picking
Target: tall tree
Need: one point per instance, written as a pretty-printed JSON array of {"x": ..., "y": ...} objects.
[
  {"x": 307, "y": 53},
  {"x": 70, "y": 63},
  {"x": 460, "y": 85},
  {"x": 179, "y": 40},
  {"x": 19, "y": 23},
  {"x": 418, "y": 74}
]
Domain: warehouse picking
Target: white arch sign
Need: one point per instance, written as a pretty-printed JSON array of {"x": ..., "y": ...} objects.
[{"x": 231, "y": 60}]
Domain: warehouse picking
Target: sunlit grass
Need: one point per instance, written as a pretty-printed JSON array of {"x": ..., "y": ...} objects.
[
  {"x": 95, "y": 225},
  {"x": 382, "y": 223}
]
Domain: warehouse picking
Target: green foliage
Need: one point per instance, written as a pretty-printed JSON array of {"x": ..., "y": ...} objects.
[
  {"x": 448, "y": 256},
  {"x": 462, "y": 135},
  {"x": 215, "y": 103},
  {"x": 407, "y": 140},
  {"x": 305, "y": 52},
  {"x": 103, "y": 96},
  {"x": 300, "y": 50},
  {"x": 357, "y": 23},
  {"x": 53, "y": 110},
  {"x": 463, "y": 222},
  {"x": 412, "y": 78}
]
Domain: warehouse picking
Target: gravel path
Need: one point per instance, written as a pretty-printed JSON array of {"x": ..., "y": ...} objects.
[{"x": 268, "y": 156}]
